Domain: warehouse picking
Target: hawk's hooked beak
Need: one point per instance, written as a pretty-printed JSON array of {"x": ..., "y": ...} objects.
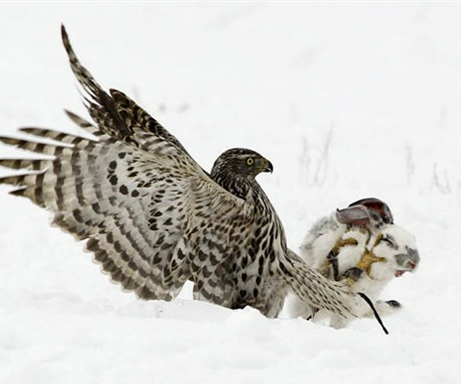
[
  {"x": 265, "y": 166},
  {"x": 260, "y": 165}
]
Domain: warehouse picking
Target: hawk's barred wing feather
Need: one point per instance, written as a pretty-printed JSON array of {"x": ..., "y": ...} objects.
[
  {"x": 115, "y": 114},
  {"x": 133, "y": 191},
  {"x": 140, "y": 210}
]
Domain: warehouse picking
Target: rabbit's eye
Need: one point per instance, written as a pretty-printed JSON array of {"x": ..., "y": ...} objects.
[{"x": 390, "y": 241}]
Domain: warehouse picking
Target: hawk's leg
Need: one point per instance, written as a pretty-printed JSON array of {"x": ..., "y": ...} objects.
[{"x": 332, "y": 257}]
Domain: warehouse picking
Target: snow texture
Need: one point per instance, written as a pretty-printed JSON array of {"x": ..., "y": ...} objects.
[{"x": 348, "y": 100}]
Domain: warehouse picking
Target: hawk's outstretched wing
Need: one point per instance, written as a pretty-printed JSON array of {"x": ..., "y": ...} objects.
[{"x": 152, "y": 216}]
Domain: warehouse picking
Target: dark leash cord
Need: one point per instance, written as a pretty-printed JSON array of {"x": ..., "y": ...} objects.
[{"x": 375, "y": 312}]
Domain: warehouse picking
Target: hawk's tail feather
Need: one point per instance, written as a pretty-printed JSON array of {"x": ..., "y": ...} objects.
[
  {"x": 316, "y": 290},
  {"x": 322, "y": 293}
]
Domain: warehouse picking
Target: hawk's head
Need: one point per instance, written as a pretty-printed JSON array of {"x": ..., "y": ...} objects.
[
  {"x": 235, "y": 170},
  {"x": 238, "y": 162}
]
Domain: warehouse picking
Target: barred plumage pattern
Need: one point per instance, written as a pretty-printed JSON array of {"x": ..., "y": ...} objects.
[{"x": 154, "y": 218}]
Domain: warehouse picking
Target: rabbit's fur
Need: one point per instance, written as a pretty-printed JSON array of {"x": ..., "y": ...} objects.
[{"x": 336, "y": 244}]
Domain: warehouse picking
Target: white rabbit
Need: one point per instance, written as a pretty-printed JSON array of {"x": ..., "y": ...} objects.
[{"x": 363, "y": 245}]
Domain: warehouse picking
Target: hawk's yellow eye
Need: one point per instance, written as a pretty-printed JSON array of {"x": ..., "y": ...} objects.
[{"x": 250, "y": 161}]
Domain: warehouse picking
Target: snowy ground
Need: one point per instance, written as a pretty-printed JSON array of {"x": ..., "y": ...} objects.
[{"x": 347, "y": 100}]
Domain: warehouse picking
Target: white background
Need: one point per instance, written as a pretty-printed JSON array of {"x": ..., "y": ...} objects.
[{"x": 347, "y": 100}]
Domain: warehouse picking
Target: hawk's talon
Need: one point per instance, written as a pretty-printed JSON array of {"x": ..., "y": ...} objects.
[{"x": 352, "y": 275}]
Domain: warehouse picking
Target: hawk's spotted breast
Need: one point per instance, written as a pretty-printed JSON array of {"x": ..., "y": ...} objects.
[{"x": 154, "y": 218}]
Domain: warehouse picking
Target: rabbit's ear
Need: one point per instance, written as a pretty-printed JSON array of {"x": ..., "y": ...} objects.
[
  {"x": 356, "y": 215},
  {"x": 378, "y": 206}
]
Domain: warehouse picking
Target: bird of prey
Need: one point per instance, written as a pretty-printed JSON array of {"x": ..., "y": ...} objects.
[{"x": 154, "y": 218}]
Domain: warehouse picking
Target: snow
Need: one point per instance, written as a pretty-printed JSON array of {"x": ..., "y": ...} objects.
[{"x": 347, "y": 100}]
